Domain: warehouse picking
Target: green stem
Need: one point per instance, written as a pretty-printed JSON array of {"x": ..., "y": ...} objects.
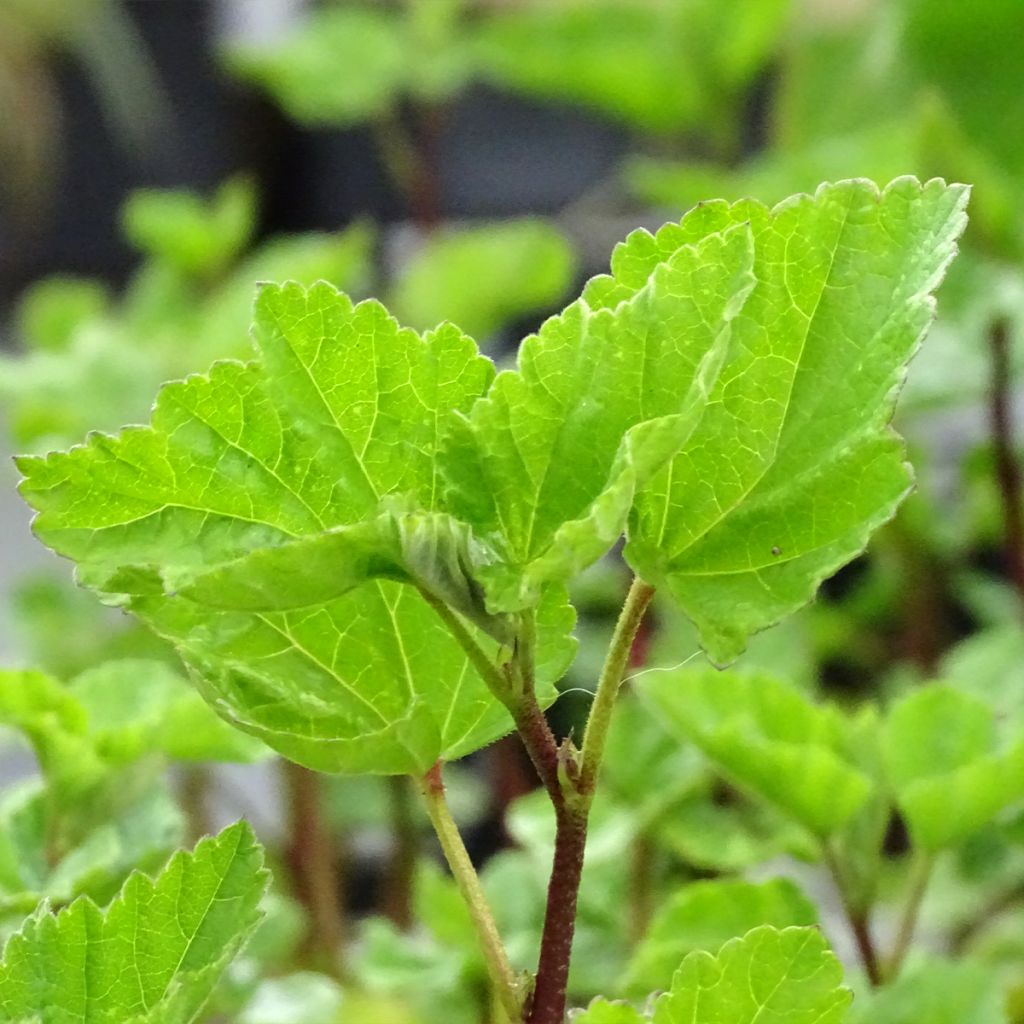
[
  {"x": 920, "y": 875},
  {"x": 489, "y": 672},
  {"x": 857, "y": 918},
  {"x": 614, "y": 670},
  {"x": 508, "y": 987}
]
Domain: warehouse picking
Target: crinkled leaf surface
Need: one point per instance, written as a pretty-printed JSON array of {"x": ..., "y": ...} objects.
[
  {"x": 547, "y": 465},
  {"x": 793, "y": 465},
  {"x": 704, "y": 916},
  {"x": 767, "y": 738},
  {"x": 152, "y": 956},
  {"x": 342, "y": 415},
  {"x": 789, "y": 977},
  {"x": 949, "y": 772}
]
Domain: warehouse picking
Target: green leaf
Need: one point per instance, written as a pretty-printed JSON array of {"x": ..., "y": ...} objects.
[
  {"x": 704, "y": 916},
  {"x": 946, "y": 767},
  {"x": 793, "y": 466},
  {"x": 56, "y": 726},
  {"x": 935, "y": 992},
  {"x": 662, "y": 68},
  {"x": 341, "y": 67},
  {"x": 603, "y": 1011},
  {"x": 529, "y": 266},
  {"x": 137, "y": 707},
  {"x": 301, "y": 998},
  {"x": 152, "y": 956},
  {"x": 787, "y": 976},
  {"x": 193, "y": 235},
  {"x": 768, "y": 739},
  {"x": 987, "y": 666},
  {"x": 53, "y": 309},
  {"x": 337, "y": 424},
  {"x": 547, "y": 465}
]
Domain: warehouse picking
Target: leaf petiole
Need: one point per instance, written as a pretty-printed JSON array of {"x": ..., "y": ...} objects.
[{"x": 510, "y": 988}]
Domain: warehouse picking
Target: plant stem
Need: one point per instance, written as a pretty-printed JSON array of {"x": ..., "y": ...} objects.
[
  {"x": 507, "y": 985},
  {"x": 920, "y": 873},
  {"x": 641, "y": 890},
  {"x": 402, "y": 866},
  {"x": 489, "y": 672},
  {"x": 1008, "y": 472},
  {"x": 552, "y": 980},
  {"x": 856, "y": 917},
  {"x": 570, "y": 779},
  {"x": 600, "y": 718},
  {"x": 311, "y": 857}
]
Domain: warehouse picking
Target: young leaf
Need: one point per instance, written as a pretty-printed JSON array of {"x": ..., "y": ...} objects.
[
  {"x": 788, "y": 976},
  {"x": 547, "y": 465},
  {"x": 152, "y": 956},
  {"x": 768, "y": 739},
  {"x": 944, "y": 763},
  {"x": 793, "y": 465},
  {"x": 704, "y": 916},
  {"x": 336, "y": 426},
  {"x": 603, "y": 1011},
  {"x": 529, "y": 263}
]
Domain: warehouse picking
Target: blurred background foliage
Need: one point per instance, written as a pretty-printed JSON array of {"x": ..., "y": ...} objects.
[{"x": 475, "y": 160}]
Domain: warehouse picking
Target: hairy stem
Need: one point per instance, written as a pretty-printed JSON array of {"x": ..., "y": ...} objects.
[
  {"x": 857, "y": 918},
  {"x": 920, "y": 874},
  {"x": 1008, "y": 472},
  {"x": 507, "y": 985},
  {"x": 600, "y": 718}
]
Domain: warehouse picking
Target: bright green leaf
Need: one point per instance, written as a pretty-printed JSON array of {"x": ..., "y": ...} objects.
[
  {"x": 787, "y": 976},
  {"x": 339, "y": 422},
  {"x": 704, "y": 916},
  {"x": 529, "y": 266},
  {"x": 767, "y": 738},
  {"x": 193, "y": 235},
  {"x": 152, "y": 956},
  {"x": 547, "y": 465},
  {"x": 793, "y": 465},
  {"x": 603, "y": 1011},
  {"x": 946, "y": 767}
]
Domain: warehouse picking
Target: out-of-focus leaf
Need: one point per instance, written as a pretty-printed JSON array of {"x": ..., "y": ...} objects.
[
  {"x": 193, "y": 235},
  {"x": 135, "y": 707},
  {"x": 767, "y": 738},
  {"x": 529, "y": 267},
  {"x": 706, "y": 915},
  {"x": 51, "y": 310},
  {"x": 934, "y": 992},
  {"x": 949, "y": 772},
  {"x": 303, "y": 998}
]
